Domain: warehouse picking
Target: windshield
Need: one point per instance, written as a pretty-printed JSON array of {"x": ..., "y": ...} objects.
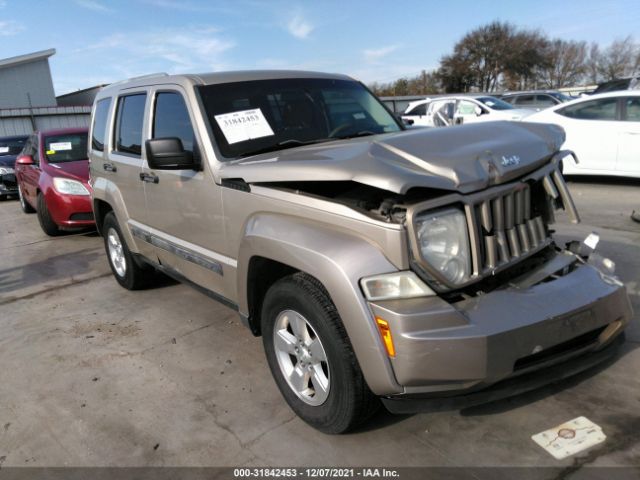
[
  {"x": 494, "y": 103},
  {"x": 12, "y": 146},
  {"x": 69, "y": 147},
  {"x": 265, "y": 115}
]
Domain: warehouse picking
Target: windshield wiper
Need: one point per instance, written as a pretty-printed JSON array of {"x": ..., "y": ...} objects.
[
  {"x": 361, "y": 133},
  {"x": 289, "y": 143}
]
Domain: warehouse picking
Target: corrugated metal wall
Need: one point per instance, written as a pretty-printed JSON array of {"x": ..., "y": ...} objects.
[{"x": 20, "y": 121}]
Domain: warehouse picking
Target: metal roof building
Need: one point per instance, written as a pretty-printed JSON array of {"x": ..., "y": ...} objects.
[
  {"x": 25, "y": 81},
  {"x": 28, "y": 101}
]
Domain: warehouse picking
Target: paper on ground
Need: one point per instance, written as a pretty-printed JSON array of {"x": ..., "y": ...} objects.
[
  {"x": 570, "y": 438},
  {"x": 243, "y": 125}
]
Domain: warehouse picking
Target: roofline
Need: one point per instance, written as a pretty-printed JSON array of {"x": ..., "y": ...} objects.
[
  {"x": 214, "y": 78},
  {"x": 27, "y": 58},
  {"x": 102, "y": 85}
]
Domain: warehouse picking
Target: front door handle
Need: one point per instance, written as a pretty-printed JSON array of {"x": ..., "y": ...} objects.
[
  {"x": 109, "y": 167},
  {"x": 149, "y": 177}
]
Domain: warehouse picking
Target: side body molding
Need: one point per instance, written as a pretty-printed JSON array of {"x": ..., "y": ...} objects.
[{"x": 338, "y": 260}]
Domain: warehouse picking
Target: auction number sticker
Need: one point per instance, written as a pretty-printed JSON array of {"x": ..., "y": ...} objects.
[
  {"x": 60, "y": 146},
  {"x": 4, "y": 149},
  {"x": 243, "y": 125}
]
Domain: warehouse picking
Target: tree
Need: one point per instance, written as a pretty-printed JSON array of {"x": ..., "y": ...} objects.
[
  {"x": 565, "y": 64},
  {"x": 592, "y": 64},
  {"x": 492, "y": 54},
  {"x": 619, "y": 60}
]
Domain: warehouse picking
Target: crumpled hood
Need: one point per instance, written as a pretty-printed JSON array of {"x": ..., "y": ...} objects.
[{"x": 463, "y": 158}]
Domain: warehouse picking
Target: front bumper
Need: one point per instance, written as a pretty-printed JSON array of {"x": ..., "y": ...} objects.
[
  {"x": 70, "y": 211},
  {"x": 453, "y": 349},
  {"x": 8, "y": 184}
]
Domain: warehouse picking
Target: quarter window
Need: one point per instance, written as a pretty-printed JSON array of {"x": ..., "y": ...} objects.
[
  {"x": 129, "y": 123},
  {"x": 171, "y": 119},
  {"x": 603, "y": 109},
  {"x": 100, "y": 124}
]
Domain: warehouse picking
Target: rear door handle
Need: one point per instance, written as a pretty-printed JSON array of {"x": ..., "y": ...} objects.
[
  {"x": 109, "y": 167},
  {"x": 149, "y": 177}
]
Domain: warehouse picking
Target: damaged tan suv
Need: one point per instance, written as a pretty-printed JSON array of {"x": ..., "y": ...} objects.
[{"x": 413, "y": 266}]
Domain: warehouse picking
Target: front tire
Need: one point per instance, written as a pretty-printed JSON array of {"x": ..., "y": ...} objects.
[
  {"x": 128, "y": 272},
  {"x": 311, "y": 358},
  {"x": 44, "y": 217}
]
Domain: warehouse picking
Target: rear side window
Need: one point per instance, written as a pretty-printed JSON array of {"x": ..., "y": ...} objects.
[
  {"x": 129, "y": 122},
  {"x": 526, "y": 100},
  {"x": 171, "y": 119},
  {"x": 633, "y": 109},
  {"x": 545, "y": 101},
  {"x": 603, "y": 109},
  {"x": 98, "y": 131},
  {"x": 418, "y": 110}
]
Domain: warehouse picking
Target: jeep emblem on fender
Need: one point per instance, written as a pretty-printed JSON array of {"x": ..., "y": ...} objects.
[{"x": 511, "y": 160}]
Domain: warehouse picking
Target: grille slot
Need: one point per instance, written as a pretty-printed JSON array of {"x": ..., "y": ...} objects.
[{"x": 515, "y": 223}]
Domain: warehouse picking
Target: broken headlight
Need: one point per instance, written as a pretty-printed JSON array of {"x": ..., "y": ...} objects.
[{"x": 443, "y": 241}]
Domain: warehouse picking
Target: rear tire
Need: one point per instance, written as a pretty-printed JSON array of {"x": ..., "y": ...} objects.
[
  {"x": 128, "y": 272},
  {"x": 44, "y": 217},
  {"x": 311, "y": 358},
  {"x": 26, "y": 207}
]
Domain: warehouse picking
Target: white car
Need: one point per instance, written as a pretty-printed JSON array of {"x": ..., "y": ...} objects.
[
  {"x": 603, "y": 130},
  {"x": 455, "y": 110}
]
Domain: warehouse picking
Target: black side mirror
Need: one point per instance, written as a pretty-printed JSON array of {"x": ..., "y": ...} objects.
[
  {"x": 168, "y": 154},
  {"x": 407, "y": 121}
]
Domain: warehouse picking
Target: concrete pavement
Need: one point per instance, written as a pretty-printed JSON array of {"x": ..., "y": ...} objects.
[{"x": 94, "y": 375}]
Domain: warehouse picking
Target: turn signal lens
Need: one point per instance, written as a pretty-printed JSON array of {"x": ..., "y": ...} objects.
[{"x": 385, "y": 334}]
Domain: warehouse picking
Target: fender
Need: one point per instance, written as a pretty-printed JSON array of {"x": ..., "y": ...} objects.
[
  {"x": 108, "y": 192},
  {"x": 338, "y": 260}
]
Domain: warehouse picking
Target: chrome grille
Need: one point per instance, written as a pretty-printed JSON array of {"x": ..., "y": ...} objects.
[
  {"x": 507, "y": 223},
  {"x": 511, "y": 226}
]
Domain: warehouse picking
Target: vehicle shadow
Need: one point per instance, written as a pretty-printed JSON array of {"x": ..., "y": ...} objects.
[
  {"x": 603, "y": 179},
  {"x": 61, "y": 266}
]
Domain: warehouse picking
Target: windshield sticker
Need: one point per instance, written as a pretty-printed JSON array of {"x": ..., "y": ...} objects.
[
  {"x": 243, "y": 125},
  {"x": 4, "y": 149},
  {"x": 359, "y": 116},
  {"x": 59, "y": 147},
  {"x": 51, "y": 152}
]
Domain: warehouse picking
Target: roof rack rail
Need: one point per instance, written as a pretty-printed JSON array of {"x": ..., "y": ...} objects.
[{"x": 142, "y": 77}]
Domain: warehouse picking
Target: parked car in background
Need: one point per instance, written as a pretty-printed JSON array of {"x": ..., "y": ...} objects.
[
  {"x": 53, "y": 179},
  {"x": 456, "y": 110},
  {"x": 10, "y": 147},
  {"x": 603, "y": 131},
  {"x": 536, "y": 100},
  {"x": 629, "y": 83}
]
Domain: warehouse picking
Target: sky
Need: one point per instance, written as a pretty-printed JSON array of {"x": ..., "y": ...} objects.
[{"x": 102, "y": 41}]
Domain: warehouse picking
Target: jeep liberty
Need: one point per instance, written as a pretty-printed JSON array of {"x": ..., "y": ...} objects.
[{"x": 413, "y": 268}]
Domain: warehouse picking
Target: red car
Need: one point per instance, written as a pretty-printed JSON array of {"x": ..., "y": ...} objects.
[{"x": 53, "y": 179}]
